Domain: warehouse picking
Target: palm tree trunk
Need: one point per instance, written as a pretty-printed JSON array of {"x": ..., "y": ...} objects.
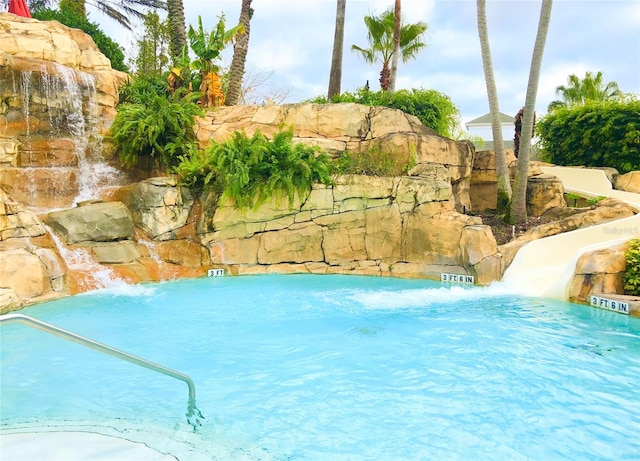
[
  {"x": 502, "y": 171},
  {"x": 240, "y": 50},
  {"x": 397, "y": 22},
  {"x": 335, "y": 75},
  {"x": 178, "y": 29},
  {"x": 519, "y": 202}
]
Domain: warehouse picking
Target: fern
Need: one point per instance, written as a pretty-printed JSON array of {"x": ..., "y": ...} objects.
[
  {"x": 155, "y": 127},
  {"x": 251, "y": 170}
]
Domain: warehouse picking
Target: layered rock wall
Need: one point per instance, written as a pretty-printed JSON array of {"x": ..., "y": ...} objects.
[
  {"x": 339, "y": 128},
  {"x": 57, "y": 95}
]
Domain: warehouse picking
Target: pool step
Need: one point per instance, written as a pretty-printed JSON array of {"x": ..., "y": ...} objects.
[{"x": 75, "y": 446}]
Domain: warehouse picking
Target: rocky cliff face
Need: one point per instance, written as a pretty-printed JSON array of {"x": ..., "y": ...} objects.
[{"x": 57, "y": 95}]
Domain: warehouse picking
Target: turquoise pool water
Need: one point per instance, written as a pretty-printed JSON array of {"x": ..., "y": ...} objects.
[{"x": 305, "y": 367}]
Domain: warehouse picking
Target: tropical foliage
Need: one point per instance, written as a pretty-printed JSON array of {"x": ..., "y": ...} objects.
[
  {"x": 154, "y": 127},
  {"x": 579, "y": 92},
  {"x": 380, "y": 36},
  {"x": 631, "y": 278},
  {"x": 374, "y": 161},
  {"x": 152, "y": 58},
  {"x": 207, "y": 48},
  {"x": 121, "y": 11},
  {"x": 434, "y": 109},
  {"x": 76, "y": 20},
  {"x": 250, "y": 170},
  {"x": 594, "y": 135}
]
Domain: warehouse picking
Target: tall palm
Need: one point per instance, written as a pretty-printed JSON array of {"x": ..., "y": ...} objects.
[
  {"x": 240, "y": 50},
  {"x": 519, "y": 201},
  {"x": 120, "y": 11},
  {"x": 580, "y": 91},
  {"x": 397, "y": 14},
  {"x": 177, "y": 29},
  {"x": 502, "y": 171},
  {"x": 335, "y": 75},
  {"x": 380, "y": 36}
]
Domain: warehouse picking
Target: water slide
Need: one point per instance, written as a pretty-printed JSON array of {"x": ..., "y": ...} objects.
[{"x": 545, "y": 267}]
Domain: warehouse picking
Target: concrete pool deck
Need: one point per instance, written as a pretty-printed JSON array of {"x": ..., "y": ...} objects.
[{"x": 75, "y": 446}]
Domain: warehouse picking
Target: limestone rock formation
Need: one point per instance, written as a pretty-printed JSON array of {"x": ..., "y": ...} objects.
[
  {"x": 353, "y": 127},
  {"x": 97, "y": 222},
  {"x": 599, "y": 271},
  {"x": 629, "y": 182},
  {"x": 368, "y": 225},
  {"x": 544, "y": 191},
  {"x": 57, "y": 95},
  {"x": 158, "y": 206},
  {"x": 30, "y": 268}
]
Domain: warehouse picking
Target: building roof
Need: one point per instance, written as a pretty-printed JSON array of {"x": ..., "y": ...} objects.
[{"x": 485, "y": 120}]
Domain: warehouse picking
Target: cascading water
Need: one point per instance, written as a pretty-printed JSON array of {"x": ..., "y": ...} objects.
[
  {"x": 55, "y": 120},
  {"x": 82, "y": 114},
  {"x": 89, "y": 274}
]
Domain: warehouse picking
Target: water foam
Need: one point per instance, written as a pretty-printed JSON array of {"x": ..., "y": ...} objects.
[{"x": 423, "y": 297}]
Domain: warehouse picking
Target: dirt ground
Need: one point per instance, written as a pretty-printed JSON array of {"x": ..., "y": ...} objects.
[{"x": 504, "y": 232}]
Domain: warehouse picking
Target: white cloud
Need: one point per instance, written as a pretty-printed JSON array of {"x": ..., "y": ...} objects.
[{"x": 294, "y": 39}]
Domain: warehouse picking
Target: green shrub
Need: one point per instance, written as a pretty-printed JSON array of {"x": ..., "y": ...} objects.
[
  {"x": 373, "y": 162},
  {"x": 155, "y": 127},
  {"x": 631, "y": 277},
  {"x": 251, "y": 170},
  {"x": 434, "y": 109},
  {"x": 142, "y": 88},
  {"x": 75, "y": 20},
  {"x": 594, "y": 135}
]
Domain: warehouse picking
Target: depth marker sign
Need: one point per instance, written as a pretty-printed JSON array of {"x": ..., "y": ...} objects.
[
  {"x": 610, "y": 304},
  {"x": 457, "y": 278}
]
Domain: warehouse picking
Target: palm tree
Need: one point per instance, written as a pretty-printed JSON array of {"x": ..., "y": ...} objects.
[
  {"x": 380, "y": 36},
  {"x": 177, "y": 29},
  {"x": 120, "y": 11},
  {"x": 519, "y": 202},
  {"x": 335, "y": 75},
  {"x": 240, "y": 50},
  {"x": 397, "y": 14},
  {"x": 590, "y": 88},
  {"x": 502, "y": 171}
]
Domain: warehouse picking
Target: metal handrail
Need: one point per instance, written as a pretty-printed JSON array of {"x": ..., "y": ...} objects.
[{"x": 57, "y": 331}]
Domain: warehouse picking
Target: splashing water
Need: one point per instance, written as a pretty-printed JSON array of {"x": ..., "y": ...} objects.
[{"x": 80, "y": 260}]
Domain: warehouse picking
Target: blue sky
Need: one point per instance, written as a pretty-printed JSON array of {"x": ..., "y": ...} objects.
[{"x": 291, "y": 41}]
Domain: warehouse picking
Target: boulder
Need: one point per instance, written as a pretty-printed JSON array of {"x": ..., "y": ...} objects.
[
  {"x": 9, "y": 301},
  {"x": 98, "y": 222},
  {"x": 544, "y": 191},
  {"x": 629, "y": 182},
  {"x": 158, "y": 206},
  {"x": 25, "y": 273},
  {"x": 599, "y": 271}
]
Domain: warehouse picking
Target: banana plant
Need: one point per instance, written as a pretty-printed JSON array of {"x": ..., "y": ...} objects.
[{"x": 207, "y": 48}]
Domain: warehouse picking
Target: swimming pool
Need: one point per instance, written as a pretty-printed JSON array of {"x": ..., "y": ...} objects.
[{"x": 310, "y": 367}]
